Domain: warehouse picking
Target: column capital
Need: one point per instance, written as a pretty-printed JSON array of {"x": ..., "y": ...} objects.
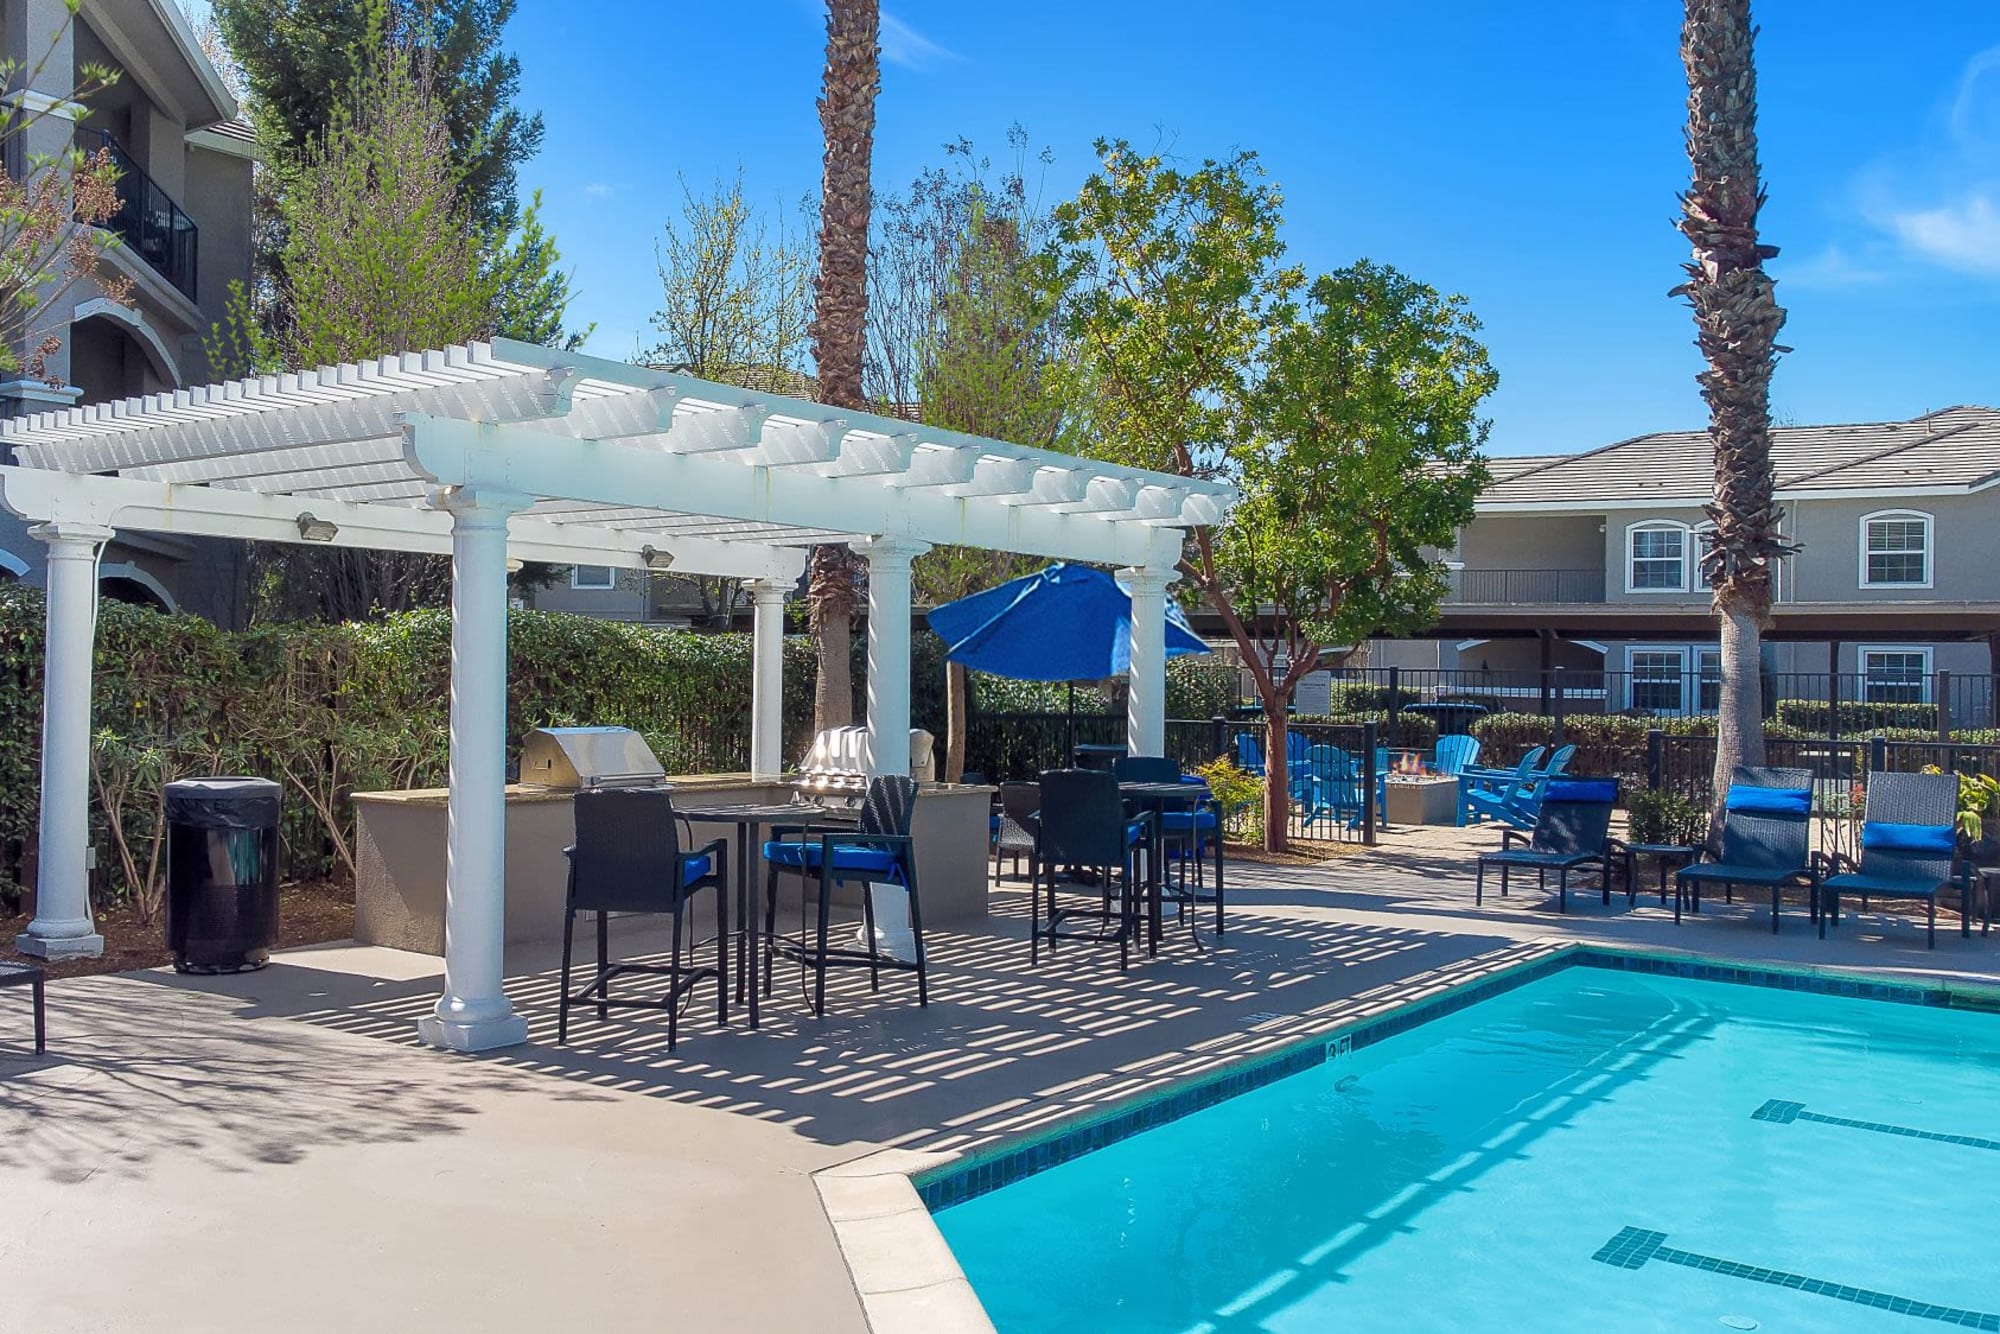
[
  {"x": 889, "y": 550},
  {"x": 479, "y": 506},
  {"x": 1149, "y": 576},
  {"x": 766, "y": 592},
  {"x": 60, "y": 533}
]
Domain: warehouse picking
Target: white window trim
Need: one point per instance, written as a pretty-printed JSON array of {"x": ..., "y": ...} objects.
[
  {"x": 1930, "y": 547},
  {"x": 610, "y": 583},
  {"x": 1689, "y": 680},
  {"x": 1656, "y": 525},
  {"x": 1861, "y": 652}
]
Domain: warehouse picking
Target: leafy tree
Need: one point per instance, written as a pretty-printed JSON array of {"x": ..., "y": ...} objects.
[
  {"x": 531, "y": 293},
  {"x": 1358, "y": 460},
  {"x": 301, "y": 59},
  {"x": 1347, "y": 421},
  {"x": 839, "y": 331},
  {"x": 52, "y": 204},
  {"x": 1737, "y": 318},
  {"x": 735, "y": 294}
]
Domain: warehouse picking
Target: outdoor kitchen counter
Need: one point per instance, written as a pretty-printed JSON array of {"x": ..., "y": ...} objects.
[{"x": 400, "y": 855}]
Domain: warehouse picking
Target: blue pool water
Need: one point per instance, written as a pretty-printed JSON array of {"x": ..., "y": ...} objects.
[{"x": 1595, "y": 1150}]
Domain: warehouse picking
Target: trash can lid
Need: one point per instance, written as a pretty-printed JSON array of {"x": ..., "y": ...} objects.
[{"x": 225, "y": 802}]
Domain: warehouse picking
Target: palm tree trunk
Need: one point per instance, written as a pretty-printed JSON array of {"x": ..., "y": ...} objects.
[
  {"x": 840, "y": 317},
  {"x": 955, "y": 720},
  {"x": 1737, "y": 319}
]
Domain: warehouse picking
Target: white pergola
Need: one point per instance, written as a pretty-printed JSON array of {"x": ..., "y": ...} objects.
[{"x": 504, "y": 450}]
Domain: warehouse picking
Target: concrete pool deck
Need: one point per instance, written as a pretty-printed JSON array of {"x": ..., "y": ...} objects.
[{"x": 222, "y": 1153}]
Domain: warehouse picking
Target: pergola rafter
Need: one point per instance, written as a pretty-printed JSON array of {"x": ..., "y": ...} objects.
[{"x": 505, "y": 450}]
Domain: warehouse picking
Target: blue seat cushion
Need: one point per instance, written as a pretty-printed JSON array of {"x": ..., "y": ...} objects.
[
  {"x": 1883, "y": 836},
  {"x": 700, "y": 868},
  {"x": 1768, "y": 800},
  {"x": 1182, "y": 821},
  {"x": 1582, "y": 789},
  {"x": 860, "y": 858}
]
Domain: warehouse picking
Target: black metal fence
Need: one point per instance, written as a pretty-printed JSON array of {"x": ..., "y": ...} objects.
[
  {"x": 1896, "y": 693},
  {"x": 148, "y": 220}
]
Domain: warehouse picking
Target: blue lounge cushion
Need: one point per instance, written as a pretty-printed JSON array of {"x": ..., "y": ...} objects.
[
  {"x": 1883, "y": 836},
  {"x": 1179, "y": 821},
  {"x": 1582, "y": 789},
  {"x": 859, "y": 858},
  {"x": 1752, "y": 800},
  {"x": 698, "y": 868}
]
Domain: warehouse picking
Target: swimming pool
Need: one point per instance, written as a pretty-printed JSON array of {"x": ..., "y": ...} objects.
[{"x": 1592, "y": 1150}]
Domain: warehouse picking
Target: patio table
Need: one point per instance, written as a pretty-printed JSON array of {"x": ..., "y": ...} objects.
[
  {"x": 1159, "y": 797},
  {"x": 748, "y": 817},
  {"x": 27, "y": 975},
  {"x": 1664, "y": 855}
]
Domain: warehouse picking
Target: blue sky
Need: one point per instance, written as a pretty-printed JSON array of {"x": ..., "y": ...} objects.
[{"x": 1525, "y": 154}]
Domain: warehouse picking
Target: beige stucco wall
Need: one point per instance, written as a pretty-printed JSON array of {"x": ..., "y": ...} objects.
[
  {"x": 1532, "y": 542},
  {"x": 1965, "y": 549}
]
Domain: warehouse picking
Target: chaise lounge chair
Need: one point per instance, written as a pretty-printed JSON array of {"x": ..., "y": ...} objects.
[
  {"x": 1766, "y": 839},
  {"x": 1908, "y": 845},
  {"x": 1572, "y": 830}
]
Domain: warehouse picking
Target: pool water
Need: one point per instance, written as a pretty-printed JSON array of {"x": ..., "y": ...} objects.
[{"x": 1594, "y": 1150}]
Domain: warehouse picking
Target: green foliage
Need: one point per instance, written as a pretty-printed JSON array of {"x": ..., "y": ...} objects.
[
  {"x": 531, "y": 293},
  {"x": 328, "y": 710},
  {"x": 302, "y": 58},
  {"x": 1666, "y": 817},
  {"x": 1977, "y": 797},
  {"x": 1239, "y": 793},
  {"x": 1809, "y": 715}
]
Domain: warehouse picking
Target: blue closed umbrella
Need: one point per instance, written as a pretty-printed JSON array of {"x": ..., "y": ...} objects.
[{"x": 1064, "y": 623}]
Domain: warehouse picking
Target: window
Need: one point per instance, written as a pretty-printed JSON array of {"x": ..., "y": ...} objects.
[
  {"x": 1896, "y": 550},
  {"x": 1658, "y": 561},
  {"x": 1895, "y": 675},
  {"x": 1658, "y": 679},
  {"x": 591, "y": 576},
  {"x": 1708, "y": 676}
]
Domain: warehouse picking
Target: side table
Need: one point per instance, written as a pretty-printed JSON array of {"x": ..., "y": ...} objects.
[{"x": 1665, "y": 856}]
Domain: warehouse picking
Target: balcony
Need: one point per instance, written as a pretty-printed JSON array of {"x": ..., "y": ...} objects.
[
  {"x": 148, "y": 221},
  {"x": 1503, "y": 588}
]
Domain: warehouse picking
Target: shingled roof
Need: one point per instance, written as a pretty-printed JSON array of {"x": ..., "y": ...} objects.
[{"x": 1956, "y": 449}]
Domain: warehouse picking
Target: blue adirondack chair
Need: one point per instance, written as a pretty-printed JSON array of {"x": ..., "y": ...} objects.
[
  {"x": 1329, "y": 786},
  {"x": 1250, "y": 753},
  {"x": 1455, "y": 754},
  {"x": 1492, "y": 794}
]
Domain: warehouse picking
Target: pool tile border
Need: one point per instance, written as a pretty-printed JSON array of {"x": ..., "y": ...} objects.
[{"x": 969, "y": 1176}]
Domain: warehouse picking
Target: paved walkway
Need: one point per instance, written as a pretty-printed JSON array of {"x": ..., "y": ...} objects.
[{"x": 229, "y": 1153}]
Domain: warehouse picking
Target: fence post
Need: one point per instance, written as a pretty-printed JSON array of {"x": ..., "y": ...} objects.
[
  {"x": 1395, "y": 705},
  {"x": 1833, "y": 706},
  {"x": 1943, "y": 697},
  {"x": 1557, "y": 706},
  {"x": 1878, "y": 754},
  {"x": 1368, "y": 741},
  {"x": 1218, "y": 736},
  {"x": 1656, "y": 742}
]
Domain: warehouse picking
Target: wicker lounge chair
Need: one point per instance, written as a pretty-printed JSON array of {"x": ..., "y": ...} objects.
[
  {"x": 1572, "y": 830},
  {"x": 1766, "y": 839},
  {"x": 1908, "y": 846}
]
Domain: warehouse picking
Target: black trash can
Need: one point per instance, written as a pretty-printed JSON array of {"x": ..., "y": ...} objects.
[{"x": 222, "y": 873}]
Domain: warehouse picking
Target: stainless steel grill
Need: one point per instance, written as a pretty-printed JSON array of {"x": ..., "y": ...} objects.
[{"x": 589, "y": 757}]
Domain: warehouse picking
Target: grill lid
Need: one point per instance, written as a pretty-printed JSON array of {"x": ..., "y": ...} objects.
[{"x": 578, "y": 757}]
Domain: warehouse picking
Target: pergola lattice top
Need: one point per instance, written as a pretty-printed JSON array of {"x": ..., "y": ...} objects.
[{"x": 616, "y": 458}]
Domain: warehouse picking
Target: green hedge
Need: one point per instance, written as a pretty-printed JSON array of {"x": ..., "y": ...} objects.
[{"x": 1809, "y": 715}]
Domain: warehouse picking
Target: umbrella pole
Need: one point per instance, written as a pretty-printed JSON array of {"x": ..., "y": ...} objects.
[{"x": 1069, "y": 727}]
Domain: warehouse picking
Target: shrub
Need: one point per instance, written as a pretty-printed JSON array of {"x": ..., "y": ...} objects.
[
  {"x": 1666, "y": 817},
  {"x": 1810, "y": 715},
  {"x": 1240, "y": 794}
]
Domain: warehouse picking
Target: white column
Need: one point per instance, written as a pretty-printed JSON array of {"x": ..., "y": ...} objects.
[
  {"x": 62, "y": 928},
  {"x": 474, "y": 1013},
  {"x": 1146, "y": 696},
  {"x": 767, "y": 680},
  {"x": 889, "y": 651}
]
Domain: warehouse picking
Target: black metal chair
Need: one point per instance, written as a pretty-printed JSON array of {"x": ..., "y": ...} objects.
[
  {"x": 879, "y": 851},
  {"x": 1572, "y": 830},
  {"x": 1015, "y": 837},
  {"x": 27, "y": 975},
  {"x": 1909, "y": 844},
  {"x": 628, "y": 858},
  {"x": 1187, "y": 835},
  {"x": 1766, "y": 839},
  {"x": 1083, "y": 824}
]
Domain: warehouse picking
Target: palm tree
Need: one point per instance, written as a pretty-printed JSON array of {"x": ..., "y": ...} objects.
[
  {"x": 840, "y": 319},
  {"x": 1737, "y": 318}
]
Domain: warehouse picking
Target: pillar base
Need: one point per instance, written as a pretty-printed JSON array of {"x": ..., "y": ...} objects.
[
  {"x": 507, "y": 1030},
  {"x": 59, "y": 948}
]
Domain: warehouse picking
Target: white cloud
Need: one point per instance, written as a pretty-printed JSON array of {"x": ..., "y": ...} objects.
[
  {"x": 1833, "y": 266},
  {"x": 1962, "y": 234},
  {"x": 599, "y": 190},
  {"x": 904, "y": 45}
]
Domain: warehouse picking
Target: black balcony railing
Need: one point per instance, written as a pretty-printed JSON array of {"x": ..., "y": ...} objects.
[
  {"x": 150, "y": 223},
  {"x": 1491, "y": 588}
]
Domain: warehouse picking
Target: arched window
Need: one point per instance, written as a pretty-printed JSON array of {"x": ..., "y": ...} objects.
[
  {"x": 1656, "y": 557},
  {"x": 1896, "y": 549}
]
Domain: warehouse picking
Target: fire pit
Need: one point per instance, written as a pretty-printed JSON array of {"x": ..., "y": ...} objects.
[{"x": 1413, "y": 795}]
